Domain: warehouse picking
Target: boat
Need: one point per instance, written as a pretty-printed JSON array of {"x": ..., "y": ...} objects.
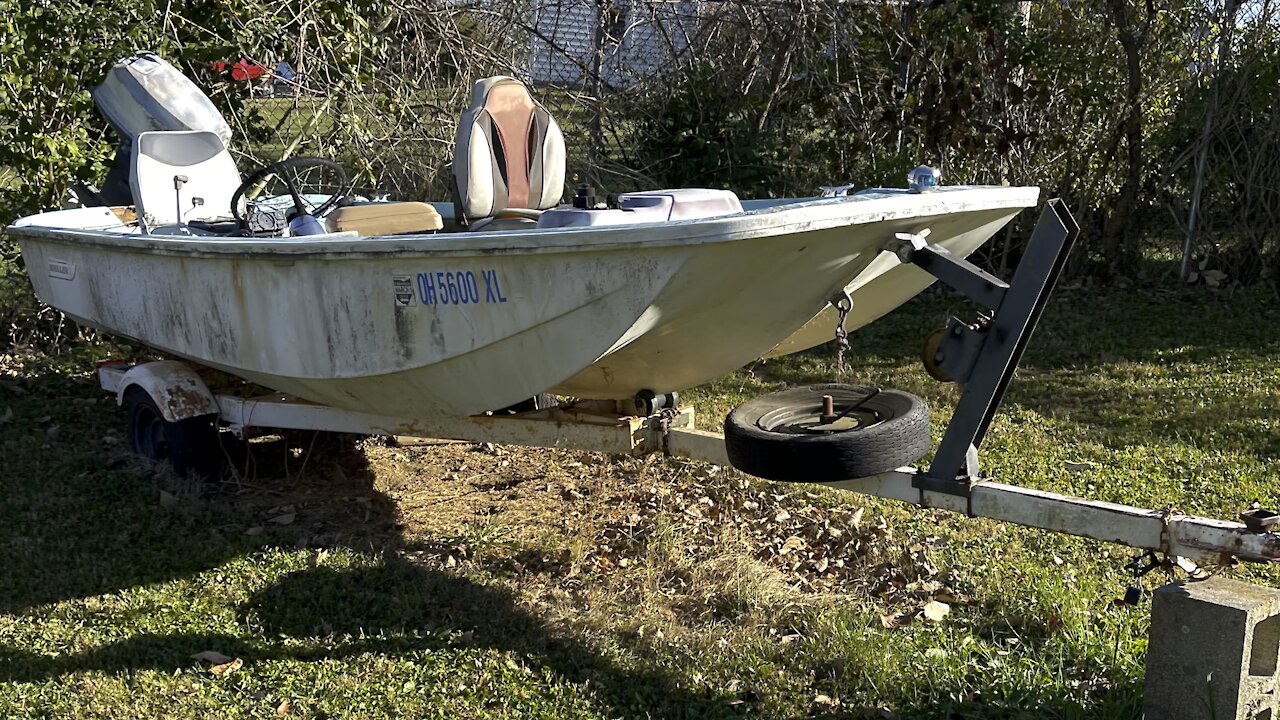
[{"x": 422, "y": 310}]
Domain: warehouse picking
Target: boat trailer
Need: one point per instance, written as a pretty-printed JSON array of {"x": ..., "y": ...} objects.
[{"x": 981, "y": 355}]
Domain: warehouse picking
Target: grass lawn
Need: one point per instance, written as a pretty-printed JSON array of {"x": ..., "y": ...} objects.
[{"x": 345, "y": 579}]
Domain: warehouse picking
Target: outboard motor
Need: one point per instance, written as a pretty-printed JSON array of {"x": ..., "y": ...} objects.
[{"x": 142, "y": 93}]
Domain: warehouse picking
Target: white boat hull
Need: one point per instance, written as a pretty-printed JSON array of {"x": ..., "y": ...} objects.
[
  {"x": 734, "y": 324},
  {"x": 330, "y": 329},
  {"x": 884, "y": 286},
  {"x": 380, "y": 325}
]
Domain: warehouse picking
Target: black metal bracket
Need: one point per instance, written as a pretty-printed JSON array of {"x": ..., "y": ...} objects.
[{"x": 985, "y": 355}]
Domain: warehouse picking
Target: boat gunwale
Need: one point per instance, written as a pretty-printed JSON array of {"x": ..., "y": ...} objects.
[{"x": 782, "y": 219}]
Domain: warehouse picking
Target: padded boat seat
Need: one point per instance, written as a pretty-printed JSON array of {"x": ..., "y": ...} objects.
[
  {"x": 508, "y": 155},
  {"x": 385, "y": 218}
]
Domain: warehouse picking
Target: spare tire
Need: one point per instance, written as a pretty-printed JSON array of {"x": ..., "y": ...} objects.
[{"x": 783, "y": 435}]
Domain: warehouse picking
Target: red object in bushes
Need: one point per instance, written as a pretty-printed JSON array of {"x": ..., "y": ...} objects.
[{"x": 243, "y": 69}]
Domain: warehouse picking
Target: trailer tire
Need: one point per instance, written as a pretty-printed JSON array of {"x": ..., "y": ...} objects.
[
  {"x": 191, "y": 446},
  {"x": 887, "y": 430}
]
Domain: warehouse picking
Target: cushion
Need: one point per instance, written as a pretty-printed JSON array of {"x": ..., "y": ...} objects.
[
  {"x": 385, "y": 218},
  {"x": 509, "y": 152}
]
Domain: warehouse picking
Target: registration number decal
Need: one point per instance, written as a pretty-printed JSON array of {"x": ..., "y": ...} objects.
[{"x": 462, "y": 287}]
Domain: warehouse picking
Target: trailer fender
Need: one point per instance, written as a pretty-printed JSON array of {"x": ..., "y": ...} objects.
[{"x": 179, "y": 393}]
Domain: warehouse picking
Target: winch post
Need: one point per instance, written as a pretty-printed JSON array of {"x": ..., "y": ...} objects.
[{"x": 996, "y": 347}]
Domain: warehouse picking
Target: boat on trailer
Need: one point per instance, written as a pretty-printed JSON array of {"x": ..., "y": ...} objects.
[
  {"x": 371, "y": 320},
  {"x": 427, "y": 310}
]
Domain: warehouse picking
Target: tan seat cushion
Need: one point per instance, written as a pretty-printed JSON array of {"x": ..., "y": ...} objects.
[{"x": 386, "y": 218}]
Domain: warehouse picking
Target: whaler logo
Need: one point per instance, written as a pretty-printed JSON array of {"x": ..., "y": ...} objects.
[
  {"x": 402, "y": 286},
  {"x": 62, "y": 269}
]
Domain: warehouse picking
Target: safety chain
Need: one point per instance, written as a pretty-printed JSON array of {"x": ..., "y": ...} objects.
[{"x": 843, "y": 304}]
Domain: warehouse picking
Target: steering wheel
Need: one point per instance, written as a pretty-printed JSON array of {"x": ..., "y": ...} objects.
[{"x": 290, "y": 173}]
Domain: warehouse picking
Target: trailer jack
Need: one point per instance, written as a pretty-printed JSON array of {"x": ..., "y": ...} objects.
[{"x": 984, "y": 355}]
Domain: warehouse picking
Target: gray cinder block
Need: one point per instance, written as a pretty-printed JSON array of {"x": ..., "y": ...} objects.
[{"x": 1213, "y": 652}]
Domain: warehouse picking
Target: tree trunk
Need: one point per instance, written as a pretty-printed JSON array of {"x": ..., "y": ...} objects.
[
  {"x": 1119, "y": 236},
  {"x": 1229, "y": 9},
  {"x": 595, "y": 126}
]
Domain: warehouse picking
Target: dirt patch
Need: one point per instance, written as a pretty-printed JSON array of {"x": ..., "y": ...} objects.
[{"x": 518, "y": 494}]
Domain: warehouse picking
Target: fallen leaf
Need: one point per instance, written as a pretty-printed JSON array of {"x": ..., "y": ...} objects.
[
  {"x": 211, "y": 656},
  {"x": 255, "y": 530},
  {"x": 225, "y": 669},
  {"x": 285, "y": 708},
  {"x": 892, "y": 621},
  {"x": 793, "y": 543},
  {"x": 285, "y": 519},
  {"x": 1080, "y": 466},
  {"x": 934, "y": 611},
  {"x": 782, "y": 516}
]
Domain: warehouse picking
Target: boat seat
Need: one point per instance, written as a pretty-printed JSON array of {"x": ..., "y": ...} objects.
[
  {"x": 181, "y": 176},
  {"x": 509, "y": 154},
  {"x": 385, "y": 218}
]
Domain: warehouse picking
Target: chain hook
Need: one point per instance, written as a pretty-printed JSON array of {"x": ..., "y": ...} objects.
[{"x": 843, "y": 303}]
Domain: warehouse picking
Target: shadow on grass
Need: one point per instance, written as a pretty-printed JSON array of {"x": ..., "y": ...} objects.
[
  {"x": 398, "y": 607},
  {"x": 393, "y": 608},
  {"x": 72, "y": 528}
]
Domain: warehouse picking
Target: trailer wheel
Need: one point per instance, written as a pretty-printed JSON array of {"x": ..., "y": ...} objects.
[
  {"x": 190, "y": 446},
  {"x": 785, "y": 435}
]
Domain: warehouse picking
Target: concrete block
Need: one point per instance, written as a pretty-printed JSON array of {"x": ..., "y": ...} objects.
[{"x": 1213, "y": 652}]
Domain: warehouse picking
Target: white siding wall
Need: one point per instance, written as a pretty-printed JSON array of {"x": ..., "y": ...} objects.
[{"x": 654, "y": 35}]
